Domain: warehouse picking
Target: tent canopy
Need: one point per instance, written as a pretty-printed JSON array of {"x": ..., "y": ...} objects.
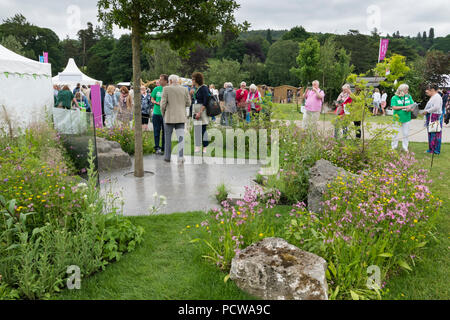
[
  {"x": 26, "y": 93},
  {"x": 72, "y": 76},
  {"x": 14, "y": 63}
]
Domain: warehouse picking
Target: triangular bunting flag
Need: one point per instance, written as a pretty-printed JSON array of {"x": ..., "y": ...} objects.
[
  {"x": 6, "y": 74},
  {"x": 34, "y": 76}
]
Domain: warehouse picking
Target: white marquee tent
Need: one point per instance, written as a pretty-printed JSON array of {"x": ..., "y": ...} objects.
[
  {"x": 71, "y": 76},
  {"x": 26, "y": 90}
]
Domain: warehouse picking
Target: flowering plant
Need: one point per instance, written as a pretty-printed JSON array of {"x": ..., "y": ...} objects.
[
  {"x": 228, "y": 230},
  {"x": 380, "y": 218}
]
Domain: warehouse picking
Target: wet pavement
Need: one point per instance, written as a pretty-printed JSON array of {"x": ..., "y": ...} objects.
[{"x": 188, "y": 187}]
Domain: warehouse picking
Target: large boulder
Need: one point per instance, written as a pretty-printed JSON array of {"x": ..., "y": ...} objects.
[
  {"x": 320, "y": 175},
  {"x": 111, "y": 156},
  {"x": 273, "y": 269}
]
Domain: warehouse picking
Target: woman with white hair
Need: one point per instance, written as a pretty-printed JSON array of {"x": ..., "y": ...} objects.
[
  {"x": 254, "y": 97},
  {"x": 401, "y": 104},
  {"x": 229, "y": 98},
  {"x": 241, "y": 99},
  {"x": 342, "y": 101}
]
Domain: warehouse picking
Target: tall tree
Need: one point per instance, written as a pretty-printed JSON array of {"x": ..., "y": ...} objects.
[
  {"x": 181, "y": 23},
  {"x": 10, "y": 42},
  {"x": 280, "y": 59},
  {"x": 87, "y": 38},
  {"x": 161, "y": 59},
  {"x": 298, "y": 34},
  {"x": 221, "y": 71},
  {"x": 269, "y": 36},
  {"x": 308, "y": 61}
]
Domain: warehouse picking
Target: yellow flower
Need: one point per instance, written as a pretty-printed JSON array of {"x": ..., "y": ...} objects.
[
  {"x": 188, "y": 227},
  {"x": 43, "y": 200},
  {"x": 413, "y": 238},
  {"x": 221, "y": 222},
  {"x": 238, "y": 213},
  {"x": 261, "y": 235},
  {"x": 197, "y": 226},
  {"x": 415, "y": 221}
]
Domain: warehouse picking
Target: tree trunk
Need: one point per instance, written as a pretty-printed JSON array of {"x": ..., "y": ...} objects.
[{"x": 139, "y": 152}]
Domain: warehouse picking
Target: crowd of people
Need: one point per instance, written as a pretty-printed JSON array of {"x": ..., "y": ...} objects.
[{"x": 170, "y": 105}]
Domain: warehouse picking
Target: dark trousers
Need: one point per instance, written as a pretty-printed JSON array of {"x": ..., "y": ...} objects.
[
  {"x": 158, "y": 126},
  {"x": 179, "y": 130}
]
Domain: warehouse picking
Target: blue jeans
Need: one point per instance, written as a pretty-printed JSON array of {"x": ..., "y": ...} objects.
[{"x": 158, "y": 126}]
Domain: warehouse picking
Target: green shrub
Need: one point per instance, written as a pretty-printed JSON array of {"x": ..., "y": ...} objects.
[
  {"x": 50, "y": 220},
  {"x": 221, "y": 193},
  {"x": 125, "y": 137}
]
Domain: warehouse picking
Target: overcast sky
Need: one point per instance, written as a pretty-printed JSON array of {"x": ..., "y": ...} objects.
[{"x": 66, "y": 17}]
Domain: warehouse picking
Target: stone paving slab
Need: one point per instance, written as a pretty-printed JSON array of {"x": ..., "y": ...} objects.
[{"x": 188, "y": 187}]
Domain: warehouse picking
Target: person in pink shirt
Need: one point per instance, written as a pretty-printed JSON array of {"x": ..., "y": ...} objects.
[{"x": 314, "y": 100}]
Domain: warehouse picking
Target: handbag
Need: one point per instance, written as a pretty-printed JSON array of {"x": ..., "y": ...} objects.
[
  {"x": 434, "y": 127},
  {"x": 414, "y": 111}
]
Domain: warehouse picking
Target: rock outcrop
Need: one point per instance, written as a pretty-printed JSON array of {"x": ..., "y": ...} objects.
[
  {"x": 273, "y": 269},
  {"x": 320, "y": 175},
  {"x": 111, "y": 156}
]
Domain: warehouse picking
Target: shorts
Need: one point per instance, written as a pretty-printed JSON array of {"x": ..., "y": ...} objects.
[{"x": 145, "y": 118}]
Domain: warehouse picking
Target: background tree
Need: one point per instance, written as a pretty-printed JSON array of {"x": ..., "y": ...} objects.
[
  {"x": 308, "y": 62},
  {"x": 161, "y": 59},
  {"x": 121, "y": 67},
  {"x": 100, "y": 59},
  {"x": 221, "y": 71},
  {"x": 298, "y": 34},
  {"x": 181, "y": 23},
  {"x": 280, "y": 59},
  {"x": 397, "y": 68},
  {"x": 10, "y": 42},
  {"x": 197, "y": 60},
  {"x": 255, "y": 70}
]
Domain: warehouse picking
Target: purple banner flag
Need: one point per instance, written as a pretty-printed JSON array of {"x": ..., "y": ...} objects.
[
  {"x": 45, "y": 57},
  {"x": 384, "y": 43},
  {"x": 96, "y": 101}
]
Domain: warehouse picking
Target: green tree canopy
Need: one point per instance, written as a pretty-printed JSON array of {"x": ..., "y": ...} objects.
[
  {"x": 280, "y": 59},
  {"x": 221, "y": 71},
  {"x": 308, "y": 61}
]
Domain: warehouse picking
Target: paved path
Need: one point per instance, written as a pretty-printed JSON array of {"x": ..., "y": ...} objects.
[
  {"x": 188, "y": 187},
  {"x": 418, "y": 132}
]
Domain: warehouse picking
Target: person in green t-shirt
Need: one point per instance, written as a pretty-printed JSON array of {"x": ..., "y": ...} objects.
[
  {"x": 157, "y": 119},
  {"x": 401, "y": 103},
  {"x": 65, "y": 98}
]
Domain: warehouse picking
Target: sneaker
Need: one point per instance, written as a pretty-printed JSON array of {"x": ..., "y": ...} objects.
[
  {"x": 159, "y": 152},
  {"x": 181, "y": 161},
  {"x": 168, "y": 161}
]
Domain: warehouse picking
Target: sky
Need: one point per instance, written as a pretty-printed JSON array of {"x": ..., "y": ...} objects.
[{"x": 66, "y": 17}]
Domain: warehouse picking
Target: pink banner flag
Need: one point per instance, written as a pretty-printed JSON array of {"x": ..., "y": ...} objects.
[
  {"x": 45, "y": 57},
  {"x": 384, "y": 43},
  {"x": 96, "y": 107}
]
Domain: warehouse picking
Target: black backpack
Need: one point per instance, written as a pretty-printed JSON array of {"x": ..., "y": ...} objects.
[{"x": 213, "y": 106}]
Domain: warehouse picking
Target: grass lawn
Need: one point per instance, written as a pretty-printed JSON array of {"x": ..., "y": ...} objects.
[
  {"x": 167, "y": 266},
  {"x": 429, "y": 279}
]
